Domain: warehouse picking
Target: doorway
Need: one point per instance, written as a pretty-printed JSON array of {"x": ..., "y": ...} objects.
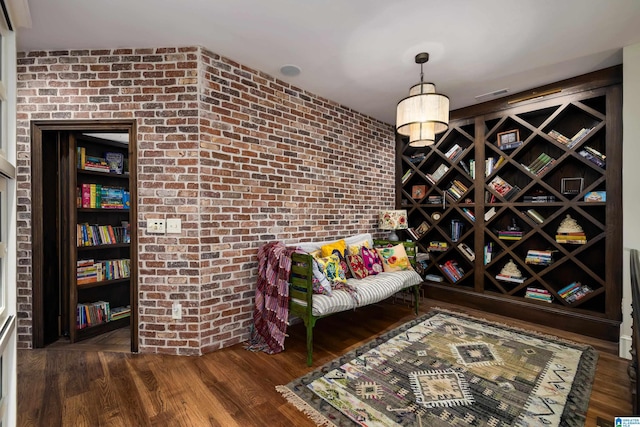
[{"x": 57, "y": 214}]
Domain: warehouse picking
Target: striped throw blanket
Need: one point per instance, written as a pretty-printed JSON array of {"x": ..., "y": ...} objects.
[{"x": 271, "y": 311}]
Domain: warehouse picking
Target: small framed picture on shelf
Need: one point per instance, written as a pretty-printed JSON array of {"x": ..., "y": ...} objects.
[
  {"x": 418, "y": 191},
  {"x": 571, "y": 185},
  {"x": 507, "y": 138}
]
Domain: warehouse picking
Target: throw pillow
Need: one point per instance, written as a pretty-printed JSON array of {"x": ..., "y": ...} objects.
[
  {"x": 332, "y": 268},
  {"x": 340, "y": 246},
  {"x": 394, "y": 258},
  {"x": 356, "y": 265},
  {"x": 321, "y": 284},
  {"x": 371, "y": 261},
  {"x": 354, "y": 249}
]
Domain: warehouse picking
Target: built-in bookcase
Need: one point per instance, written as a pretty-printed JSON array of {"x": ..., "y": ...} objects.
[{"x": 498, "y": 185}]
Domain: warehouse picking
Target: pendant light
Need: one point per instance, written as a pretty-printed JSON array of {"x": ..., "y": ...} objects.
[{"x": 424, "y": 113}]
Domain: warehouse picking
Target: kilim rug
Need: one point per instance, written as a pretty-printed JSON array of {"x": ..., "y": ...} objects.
[{"x": 447, "y": 369}]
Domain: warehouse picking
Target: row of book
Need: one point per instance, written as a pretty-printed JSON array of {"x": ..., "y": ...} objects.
[
  {"x": 418, "y": 232},
  {"x": 539, "y": 198},
  {"x": 594, "y": 156},
  {"x": 491, "y": 164},
  {"x": 92, "y": 271},
  {"x": 469, "y": 213},
  {"x": 540, "y": 164},
  {"x": 510, "y": 278},
  {"x": 456, "y": 189},
  {"x": 576, "y": 238},
  {"x": 94, "y": 235},
  {"x": 574, "y": 292},
  {"x": 453, "y": 271},
  {"x": 503, "y": 188},
  {"x": 453, "y": 152},
  {"x": 538, "y": 294},
  {"x": 509, "y": 234},
  {"x": 570, "y": 142},
  {"x": 539, "y": 257},
  {"x": 96, "y": 313},
  {"x": 456, "y": 229},
  {"x": 112, "y": 162},
  {"x": 97, "y": 196}
]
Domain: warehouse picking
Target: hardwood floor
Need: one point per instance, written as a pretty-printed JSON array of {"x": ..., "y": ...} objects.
[{"x": 233, "y": 386}]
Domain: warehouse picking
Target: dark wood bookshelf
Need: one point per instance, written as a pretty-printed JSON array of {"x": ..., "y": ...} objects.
[
  {"x": 588, "y": 108},
  {"x": 92, "y": 331}
]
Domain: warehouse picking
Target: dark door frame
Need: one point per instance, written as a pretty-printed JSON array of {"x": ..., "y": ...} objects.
[{"x": 37, "y": 214}]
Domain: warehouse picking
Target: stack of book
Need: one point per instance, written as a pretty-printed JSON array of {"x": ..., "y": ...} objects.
[
  {"x": 456, "y": 229},
  {"x": 456, "y": 190},
  {"x": 539, "y": 294},
  {"x": 534, "y": 215},
  {"x": 539, "y": 257},
  {"x": 120, "y": 312},
  {"x": 594, "y": 156},
  {"x": 97, "y": 196},
  {"x": 491, "y": 165},
  {"x": 503, "y": 188},
  {"x": 452, "y": 270},
  {"x": 433, "y": 278},
  {"x": 419, "y": 231},
  {"x": 539, "y": 198},
  {"x": 510, "y": 145},
  {"x": 453, "y": 152},
  {"x": 574, "y": 292},
  {"x": 91, "y": 314},
  {"x": 434, "y": 200},
  {"x": 469, "y": 213},
  {"x": 509, "y": 235},
  {"x": 436, "y": 246},
  {"x": 540, "y": 164},
  {"x": 417, "y": 158},
  {"x": 570, "y": 143},
  {"x": 510, "y": 278},
  {"x": 575, "y": 238},
  {"x": 88, "y": 271}
]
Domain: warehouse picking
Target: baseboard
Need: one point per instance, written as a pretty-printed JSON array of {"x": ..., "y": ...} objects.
[{"x": 625, "y": 347}]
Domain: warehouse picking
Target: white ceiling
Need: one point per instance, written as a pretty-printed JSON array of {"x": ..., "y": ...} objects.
[{"x": 360, "y": 53}]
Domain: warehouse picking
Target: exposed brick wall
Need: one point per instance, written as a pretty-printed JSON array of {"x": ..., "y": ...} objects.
[{"x": 241, "y": 157}]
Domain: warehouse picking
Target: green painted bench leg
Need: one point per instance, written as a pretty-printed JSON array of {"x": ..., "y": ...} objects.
[{"x": 310, "y": 323}]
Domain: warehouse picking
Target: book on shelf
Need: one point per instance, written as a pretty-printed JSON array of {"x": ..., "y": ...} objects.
[
  {"x": 488, "y": 253},
  {"x": 579, "y": 136},
  {"x": 503, "y": 188},
  {"x": 537, "y": 257},
  {"x": 510, "y": 145},
  {"x": 535, "y": 215},
  {"x": 422, "y": 229},
  {"x": 574, "y": 292},
  {"x": 540, "y": 164},
  {"x": 540, "y": 198},
  {"x": 595, "y": 196},
  {"x": 412, "y": 233},
  {"x": 456, "y": 189},
  {"x": 456, "y": 229},
  {"x": 406, "y": 176},
  {"x": 438, "y": 173},
  {"x": 509, "y": 278},
  {"x": 452, "y": 270},
  {"x": 417, "y": 157},
  {"x": 469, "y": 213},
  {"x": 596, "y": 160},
  {"x": 115, "y": 161},
  {"x": 465, "y": 167},
  {"x": 577, "y": 238},
  {"x": 437, "y": 246},
  {"x": 433, "y": 278},
  {"x": 509, "y": 235},
  {"x": 467, "y": 251},
  {"x": 434, "y": 199},
  {"x": 453, "y": 152},
  {"x": 538, "y": 294}
]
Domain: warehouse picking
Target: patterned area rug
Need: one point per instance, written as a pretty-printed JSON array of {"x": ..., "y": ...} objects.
[{"x": 448, "y": 369}]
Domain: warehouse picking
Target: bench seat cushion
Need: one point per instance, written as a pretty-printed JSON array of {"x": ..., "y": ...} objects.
[{"x": 369, "y": 290}]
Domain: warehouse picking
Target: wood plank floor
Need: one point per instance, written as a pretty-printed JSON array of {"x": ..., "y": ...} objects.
[{"x": 233, "y": 387}]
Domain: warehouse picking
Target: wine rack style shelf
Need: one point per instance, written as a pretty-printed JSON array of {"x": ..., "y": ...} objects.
[{"x": 493, "y": 191}]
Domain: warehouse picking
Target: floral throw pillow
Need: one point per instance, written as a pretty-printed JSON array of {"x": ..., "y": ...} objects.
[
  {"x": 394, "y": 258},
  {"x": 338, "y": 248},
  {"x": 371, "y": 261},
  {"x": 321, "y": 284},
  {"x": 332, "y": 269},
  {"x": 356, "y": 265}
]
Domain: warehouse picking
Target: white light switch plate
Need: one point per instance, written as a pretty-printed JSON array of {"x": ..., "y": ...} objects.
[
  {"x": 174, "y": 226},
  {"x": 156, "y": 226}
]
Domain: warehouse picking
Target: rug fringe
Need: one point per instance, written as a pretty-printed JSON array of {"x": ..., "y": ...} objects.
[{"x": 302, "y": 406}]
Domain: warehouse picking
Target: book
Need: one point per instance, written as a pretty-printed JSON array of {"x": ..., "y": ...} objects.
[
  {"x": 507, "y": 278},
  {"x": 115, "y": 161},
  {"x": 439, "y": 172},
  {"x": 467, "y": 251},
  {"x": 406, "y": 176},
  {"x": 595, "y": 196},
  {"x": 593, "y": 159},
  {"x": 534, "y": 215},
  {"x": 433, "y": 278}
]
